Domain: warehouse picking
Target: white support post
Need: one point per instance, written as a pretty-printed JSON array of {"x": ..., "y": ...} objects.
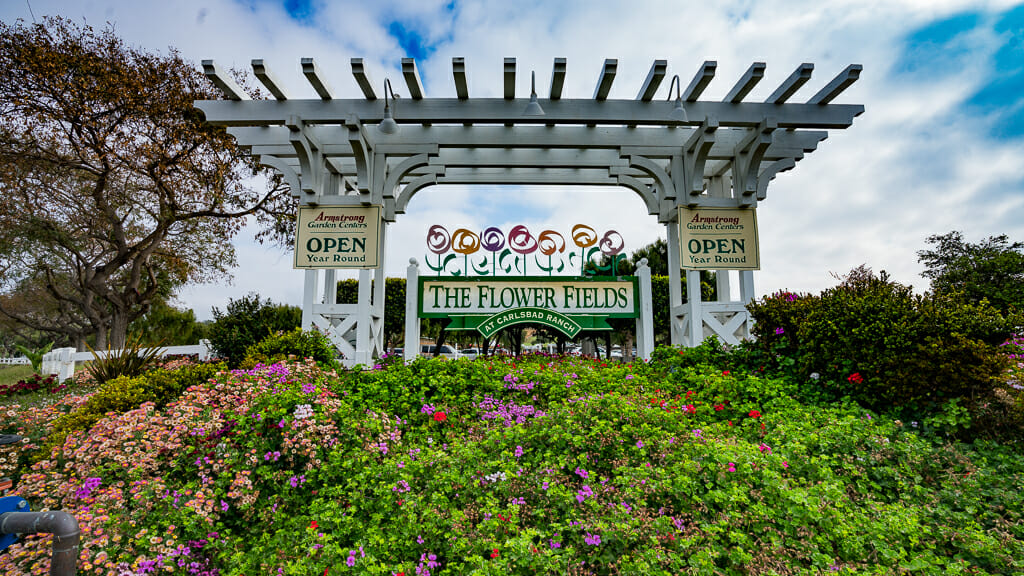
[
  {"x": 379, "y": 292},
  {"x": 309, "y": 298},
  {"x": 695, "y": 333},
  {"x": 412, "y": 319},
  {"x": 645, "y": 323},
  {"x": 746, "y": 286},
  {"x": 363, "y": 313},
  {"x": 723, "y": 288},
  {"x": 675, "y": 284}
]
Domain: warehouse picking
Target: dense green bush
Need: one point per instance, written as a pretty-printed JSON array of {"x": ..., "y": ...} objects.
[
  {"x": 875, "y": 341},
  {"x": 247, "y": 321},
  {"x": 294, "y": 344}
]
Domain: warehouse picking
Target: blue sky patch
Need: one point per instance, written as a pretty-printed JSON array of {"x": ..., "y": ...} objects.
[
  {"x": 412, "y": 42},
  {"x": 300, "y": 10},
  {"x": 937, "y": 46},
  {"x": 945, "y": 46}
]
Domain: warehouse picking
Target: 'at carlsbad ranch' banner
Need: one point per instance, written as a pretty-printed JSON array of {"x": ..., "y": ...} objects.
[
  {"x": 718, "y": 239},
  {"x": 337, "y": 237}
]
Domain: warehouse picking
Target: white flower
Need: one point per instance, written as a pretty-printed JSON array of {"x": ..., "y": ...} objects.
[{"x": 303, "y": 411}]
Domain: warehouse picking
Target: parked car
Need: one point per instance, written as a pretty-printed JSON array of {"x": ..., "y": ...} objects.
[
  {"x": 470, "y": 353},
  {"x": 447, "y": 351}
]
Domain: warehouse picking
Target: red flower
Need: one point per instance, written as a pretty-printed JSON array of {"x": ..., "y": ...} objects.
[
  {"x": 313, "y": 525},
  {"x": 325, "y": 571},
  {"x": 689, "y": 393},
  {"x": 755, "y": 414},
  {"x": 494, "y": 554},
  {"x": 440, "y": 416},
  {"x": 725, "y": 372},
  {"x": 855, "y": 378},
  {"x": 719, "y": 407}
]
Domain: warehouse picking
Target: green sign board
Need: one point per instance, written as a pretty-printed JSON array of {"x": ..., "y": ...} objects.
[
  {"x": 493, "y": 324},
  {"x": 567, "y": 304}
]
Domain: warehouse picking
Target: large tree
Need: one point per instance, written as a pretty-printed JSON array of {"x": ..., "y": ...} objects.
[
  {"x": 113, "y": 189},
  {"x": 992, "y": 269}
]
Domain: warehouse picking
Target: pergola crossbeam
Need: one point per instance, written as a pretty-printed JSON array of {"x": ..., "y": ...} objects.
[
  {"x": 746, "y": 83},
  {"x": 223, "y": 82},
  {"x": 604, "y": 82},
  {"x": 700, "y": 81},
  {"x": 362, "y": 76},
  {"x": 412, "y": 78},
  {"x": 268, "y": 79},
  {"x": 834, "y": 88},
  {"x": 459, "y": 75},
  {"x": 797, "y": 79},
  {"x": 557, "y": 79},
  {"x": 311, "y": 71}
]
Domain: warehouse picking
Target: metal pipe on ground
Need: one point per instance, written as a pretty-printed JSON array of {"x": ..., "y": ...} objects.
[{"x": 62, "y": 525}]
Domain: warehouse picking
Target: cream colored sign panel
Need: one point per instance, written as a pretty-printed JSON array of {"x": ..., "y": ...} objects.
[
  {"x": 718, "y": 239},
  {"x": 337, "y": 237}
]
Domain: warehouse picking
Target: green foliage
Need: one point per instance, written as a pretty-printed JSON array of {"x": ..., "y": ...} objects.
[
  {"x": 246, "y": 322},
  {"x": 169, "y": 325},
  {"x": 533, "y": 467},
  {"x": 875, "y": 341},
  {"x": 34, "y": 355},
  {"x": 133, "y": 360},
  {"x": 991, "y": 270},
  {"x": 296, "y": 344}
]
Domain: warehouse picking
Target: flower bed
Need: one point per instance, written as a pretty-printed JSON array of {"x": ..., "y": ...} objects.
[{"x": 542, "y": 466}]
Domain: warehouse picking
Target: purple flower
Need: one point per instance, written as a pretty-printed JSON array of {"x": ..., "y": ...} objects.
[
  {"x": 224, "y": 506},
  {"x": 351, "y": 560},
  {"x": 592, "y": 539},
  {"x": 519, "y": 451},
  {"x": 639, "y": 444},
  {"x": 582, "y": 473},
  {"x": 582, "y": 494},
  {"x": 419, "y": 539},
  {"x": 779, "y": 331}
]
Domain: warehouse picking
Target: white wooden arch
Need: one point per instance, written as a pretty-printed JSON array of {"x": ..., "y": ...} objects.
[{"x": 681, "y": 151}]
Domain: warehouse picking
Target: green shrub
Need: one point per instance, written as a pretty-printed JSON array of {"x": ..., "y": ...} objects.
[
  {"x": 247, "y": 321},
  {"x": 298, "y": 343},
  {"x": 875, "y": 341}
]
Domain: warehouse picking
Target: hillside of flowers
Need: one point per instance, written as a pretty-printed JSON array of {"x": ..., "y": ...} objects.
[{"x": 689, "y": 464}]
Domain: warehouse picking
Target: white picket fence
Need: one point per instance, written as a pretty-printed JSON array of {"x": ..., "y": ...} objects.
[
  {"x": 14, "y": 360},
  {"x": 62, "y": 360}
]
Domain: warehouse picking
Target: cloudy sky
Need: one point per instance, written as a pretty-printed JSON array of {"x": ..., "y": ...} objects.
[{"x": 940, "y": 146}]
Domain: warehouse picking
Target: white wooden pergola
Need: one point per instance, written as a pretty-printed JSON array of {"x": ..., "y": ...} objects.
[{"x": 679, "y": 151}]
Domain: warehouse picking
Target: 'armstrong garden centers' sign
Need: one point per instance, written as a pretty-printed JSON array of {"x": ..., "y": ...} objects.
[
  {"x": 565, "y": 304},
  {"x": 718, "y": 239},
  {"x": 337, "y": 237}
]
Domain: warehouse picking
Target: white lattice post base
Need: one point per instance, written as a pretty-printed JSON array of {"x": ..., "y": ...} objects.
[{"x": 412, "y": 319}]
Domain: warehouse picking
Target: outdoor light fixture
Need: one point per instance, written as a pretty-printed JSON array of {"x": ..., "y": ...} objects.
[
  {"x": 678, "y": 113},
  {"x": 533, "y": 108},
  {"x": 388, "y": 124}
]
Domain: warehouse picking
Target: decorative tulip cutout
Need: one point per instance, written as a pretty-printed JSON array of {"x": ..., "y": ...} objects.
[
  {"x": 611, "y": 246},
  {"x": 550, "y": 242},
  {"x": 465, "y": 242},
  {"x": 583, "y": 236},
  {"x": 438, "y": 242},
  {"x": 522, "y": 242},
  {"x": 492, "y": 240}
]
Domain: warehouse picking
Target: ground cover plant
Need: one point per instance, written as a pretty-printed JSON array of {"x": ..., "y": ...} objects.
[{"x": 688, "y": 464}]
